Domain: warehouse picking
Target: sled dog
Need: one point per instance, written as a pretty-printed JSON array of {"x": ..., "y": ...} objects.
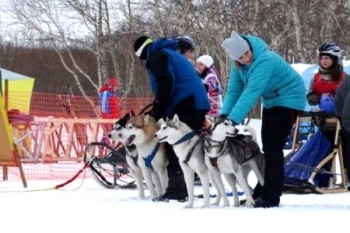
[
  {"x": 188, "y": 147},
  {"x": 235, "y": 154},
  {"x": 151, "y": 154},
  {"x": 116, "y": 134}
]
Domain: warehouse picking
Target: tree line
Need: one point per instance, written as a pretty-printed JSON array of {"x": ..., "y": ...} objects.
[{"x": 80, "y": 43}]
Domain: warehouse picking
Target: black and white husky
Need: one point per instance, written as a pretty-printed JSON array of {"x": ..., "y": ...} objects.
[
  {"x": 118, "y": 134},
  {"x": 188, "y": 147},
  {"x": 235, "y": 154}
]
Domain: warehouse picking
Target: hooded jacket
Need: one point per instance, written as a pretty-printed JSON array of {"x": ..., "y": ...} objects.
[
  {"x": 269, "y": 76},
  {"x": 109, "y": 106},
  {"x": 174, "y": 81},
  {"x": 212, "y": 85}
]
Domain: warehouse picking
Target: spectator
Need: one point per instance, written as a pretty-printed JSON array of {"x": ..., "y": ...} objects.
[
  {"x": 186, "y": 46},
  {"x": 325, "y": 82},
  {"x": 109, "y": 104},
  {"x": 257, "y": 72},
  {"x": 177, "y": 90},
  {"x": 342, "y": 110},
  {"x": 210, "y": 76}
]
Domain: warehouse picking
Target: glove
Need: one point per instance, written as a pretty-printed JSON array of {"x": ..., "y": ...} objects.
[
  {"x": 313, "y": 99},
  {"x": 220, "y": 118},
  {"x": 158, "y": 110},
  {"x": 232, "y": 122}
]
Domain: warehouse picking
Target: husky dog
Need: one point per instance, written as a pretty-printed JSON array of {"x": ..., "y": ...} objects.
[
  {"x": 151, "y": 154},
  {"x": 131, "y": 153},
  {"x": 235, "y": 154},
  {"x": 188, "y": 147}
]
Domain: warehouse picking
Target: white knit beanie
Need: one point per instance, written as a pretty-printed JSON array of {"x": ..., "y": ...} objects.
[
  {"x": 235, "y": 46},
  {"x": 206, "y": 60}
]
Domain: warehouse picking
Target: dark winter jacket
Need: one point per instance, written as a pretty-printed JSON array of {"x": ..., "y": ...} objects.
[
  {"x": 342, "y": 103},
  {"x": 174, "y": 81}
]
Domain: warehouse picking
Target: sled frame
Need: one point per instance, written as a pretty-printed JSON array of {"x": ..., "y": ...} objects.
[{"x": 334, "y": 156}]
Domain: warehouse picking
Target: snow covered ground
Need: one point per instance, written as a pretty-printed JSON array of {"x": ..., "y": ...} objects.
[
  {"x": 92, "y": 208},
  {"x": 85, "y": 206}
]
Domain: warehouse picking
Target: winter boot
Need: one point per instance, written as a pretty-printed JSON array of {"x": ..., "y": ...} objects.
[
  {"x": 176, "y": 189},
  {"x": 264, "y": 203},
  {"x": 256, "y": 194}
]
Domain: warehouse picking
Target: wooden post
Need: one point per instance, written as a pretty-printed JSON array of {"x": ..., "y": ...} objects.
[{"x": 8, "y": 152}]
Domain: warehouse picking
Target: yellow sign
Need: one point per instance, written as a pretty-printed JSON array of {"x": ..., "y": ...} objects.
[{"x": 8, "y": 153}]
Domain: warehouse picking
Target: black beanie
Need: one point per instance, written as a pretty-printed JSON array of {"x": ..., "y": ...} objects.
[{"x": 137, "y": 45}]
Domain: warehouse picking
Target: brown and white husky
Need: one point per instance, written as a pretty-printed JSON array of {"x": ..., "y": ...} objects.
[{"x": 151, "y": 154}]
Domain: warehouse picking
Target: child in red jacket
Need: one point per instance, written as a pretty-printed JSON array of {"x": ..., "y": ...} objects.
[
  {"x": 329, "y": 76},
  {"x": 109, "y": 102}
]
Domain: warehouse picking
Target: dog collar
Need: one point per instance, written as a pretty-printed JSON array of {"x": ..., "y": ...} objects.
[{"x": 186, "y": 137}]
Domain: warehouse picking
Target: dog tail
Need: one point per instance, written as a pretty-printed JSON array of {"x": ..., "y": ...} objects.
[{"x": 252, "y": 131}]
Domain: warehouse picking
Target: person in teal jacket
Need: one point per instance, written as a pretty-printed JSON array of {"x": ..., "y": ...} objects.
[{"x": 259, "y": 73}]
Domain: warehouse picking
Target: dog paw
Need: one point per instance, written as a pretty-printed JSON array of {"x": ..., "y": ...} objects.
[
  {"x": 250, "y": 204},
  {"x": 188, "y": 206},
  {"x": 236, "y": 203},
  {"x": 216, "y": 203},
  {"x": 226, "y": 204}
]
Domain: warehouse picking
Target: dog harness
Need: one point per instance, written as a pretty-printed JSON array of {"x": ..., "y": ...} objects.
[
  {"x": 185, "y": 138},
  {"x": 150, "y": 157},
  {"x": 241, "y": 147}
]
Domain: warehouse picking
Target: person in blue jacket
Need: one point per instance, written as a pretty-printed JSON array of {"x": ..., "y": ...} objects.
[
  {"x": 259, "y": 73},
  {"x": 178, "y": 90}
]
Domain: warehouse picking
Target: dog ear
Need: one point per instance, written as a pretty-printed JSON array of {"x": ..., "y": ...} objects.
[
  {"x": 160, "y": 121},
  {"x": 132, "y": 113},
  {"x": 146, "y": 119},
  {"x": 176, "y": 119}
]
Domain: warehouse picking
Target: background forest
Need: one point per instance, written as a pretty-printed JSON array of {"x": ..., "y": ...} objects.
[{"x": 80, "y": 43}]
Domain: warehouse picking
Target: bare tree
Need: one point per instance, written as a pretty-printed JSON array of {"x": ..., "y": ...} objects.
[{"x": 108, "y": 28}]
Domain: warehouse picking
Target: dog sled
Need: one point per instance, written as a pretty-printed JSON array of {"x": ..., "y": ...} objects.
[
  {"x": 316, "y": 165},
  {"x": 107, "y": 163}
]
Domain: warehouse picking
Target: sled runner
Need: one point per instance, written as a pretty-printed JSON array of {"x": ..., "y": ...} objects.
[
  {"x": 316, "y": 165},
  {"x": 108, "y": 165}
]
